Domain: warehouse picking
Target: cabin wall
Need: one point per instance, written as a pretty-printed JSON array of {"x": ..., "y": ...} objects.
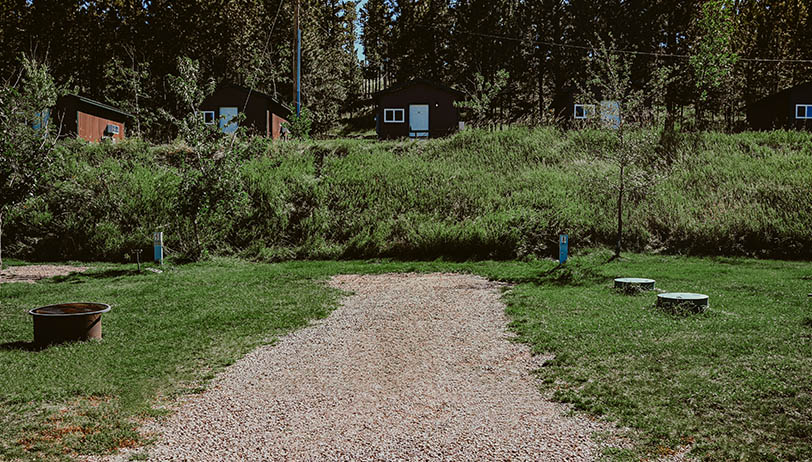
[
  {"x": 276, "y": 126},
  {"x": 778, "y": 111},
  {"x": 255, "y": 106},
  {"x": 92, "y": 128},
  {"x": 443, "y": 116}
]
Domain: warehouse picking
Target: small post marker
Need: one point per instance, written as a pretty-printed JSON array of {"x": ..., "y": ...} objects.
[
  {"x": 158, "y": 242},
  {"x": 563, "y": 247},
  {"x": 138, "y": 258}
]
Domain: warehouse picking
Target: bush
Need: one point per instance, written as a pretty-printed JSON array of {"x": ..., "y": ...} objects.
[{"x": 478, "y": 194}]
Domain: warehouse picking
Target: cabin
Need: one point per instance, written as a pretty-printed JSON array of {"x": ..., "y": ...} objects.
[
  {"x": 264, "y": 115},
  {"x": 88, "y": 119},
  {"x": 790, "y": 109},
  {"x": 416, "y": 109}
]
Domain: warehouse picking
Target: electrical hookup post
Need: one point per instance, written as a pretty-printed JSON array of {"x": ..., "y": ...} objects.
[
  {"x": 563, "y": 248},
  {"x": 158, "y": 244}
]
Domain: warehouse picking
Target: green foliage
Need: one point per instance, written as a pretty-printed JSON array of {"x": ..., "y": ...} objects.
[
  {"x": 621, "y": 107},
  {"x": 26, "y": 134},
  {"x": 190, "y": 91},
  {"x": 478, "y": 194},
  {"x": 481, "y": 99},
  {"x": 300, "y": 125},
  {"x": 126, "y": 89},
  {"x": 714, "y": 58}
]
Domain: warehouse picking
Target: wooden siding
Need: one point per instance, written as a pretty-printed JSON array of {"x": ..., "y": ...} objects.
[
  {"x": 276, "y": 126},
  {"x": 91, "y": 128}
]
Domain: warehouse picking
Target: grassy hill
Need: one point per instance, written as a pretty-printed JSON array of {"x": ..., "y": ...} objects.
[{"x": 478, "y": 194}]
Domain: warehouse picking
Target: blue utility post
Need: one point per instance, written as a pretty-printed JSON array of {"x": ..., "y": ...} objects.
[
  {"x": 563, "y": 248},
  {"x": 158, "y": 243}
]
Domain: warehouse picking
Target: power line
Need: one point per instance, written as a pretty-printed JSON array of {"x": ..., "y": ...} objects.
[{"x": 630, "y": 52}]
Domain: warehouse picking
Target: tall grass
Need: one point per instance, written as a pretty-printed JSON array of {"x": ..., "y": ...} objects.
[{"x": 478, "y": 194}]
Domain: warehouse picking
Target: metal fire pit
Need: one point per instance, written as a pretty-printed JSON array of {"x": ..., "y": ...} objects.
[{"x": 67, "y": 322}]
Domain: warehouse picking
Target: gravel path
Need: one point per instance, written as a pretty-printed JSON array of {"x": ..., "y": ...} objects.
[
  {"x": 411, "y": 367},
  {"x": 33, "y": 273}
]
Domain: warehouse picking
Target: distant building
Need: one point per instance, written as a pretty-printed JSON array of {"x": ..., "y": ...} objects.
[
  {"x": 264, "y": 115},
  {"x": 790, "y": 109},
  {"x": 88, "y": 119},
  {"x": 417, "y": 109}
]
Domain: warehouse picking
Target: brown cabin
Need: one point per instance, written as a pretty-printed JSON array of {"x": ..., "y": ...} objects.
[
  {"x": 264, "y": 115},
  {"x": 788, "y": 109},
  {"x": 417, "y": 109},
  {"x": 89, "y": 119}
]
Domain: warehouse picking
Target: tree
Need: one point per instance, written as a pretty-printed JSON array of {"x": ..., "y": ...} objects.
[
  {"x": 713, "y": 59},
  {"x": 26, "y": 134},
  {"x": 208, "y": 168},
  {"x": 621, "y": 107},
  {"x": 126, "y": 87},
  {"x": 481, "y": 98}
]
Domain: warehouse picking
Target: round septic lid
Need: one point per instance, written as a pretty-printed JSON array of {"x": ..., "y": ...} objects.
[
  {"x": 635, "y": 280},
  {"x": 684, "y": 297},
  {"x": 71, "y": 309}
]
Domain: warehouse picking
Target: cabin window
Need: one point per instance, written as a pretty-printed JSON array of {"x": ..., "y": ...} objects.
[
  {"x": 394, "y": 116},
  {"x": 803, "y": 111},
  {"x": 208, "y": 117},
  {"x": 584, "y": 111}
]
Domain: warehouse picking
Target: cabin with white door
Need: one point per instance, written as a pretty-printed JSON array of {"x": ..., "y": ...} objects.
[
  {"x": 264, "y": 114},
  {"x": 417, "y": 109}
]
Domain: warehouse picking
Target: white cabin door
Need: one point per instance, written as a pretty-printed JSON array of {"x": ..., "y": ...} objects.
[
  {"x": 228, "y": 122},
  {"x": 419, "y": 120}
]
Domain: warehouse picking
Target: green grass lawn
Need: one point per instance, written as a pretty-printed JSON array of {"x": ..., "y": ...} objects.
[{"x": 733, "y": 381}]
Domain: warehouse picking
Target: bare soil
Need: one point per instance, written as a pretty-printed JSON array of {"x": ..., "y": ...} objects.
[{"x": 33, "y": 273}]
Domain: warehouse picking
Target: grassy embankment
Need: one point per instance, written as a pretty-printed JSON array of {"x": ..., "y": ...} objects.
[
  {"x": 477, "y": 194},
  {"x": 733, "y": 382}
]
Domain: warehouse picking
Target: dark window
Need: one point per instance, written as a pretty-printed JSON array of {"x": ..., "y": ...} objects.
[{"x": 393, "y": 116}]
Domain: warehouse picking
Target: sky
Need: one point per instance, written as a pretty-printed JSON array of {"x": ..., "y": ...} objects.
[{"x": 359, "y": 50}]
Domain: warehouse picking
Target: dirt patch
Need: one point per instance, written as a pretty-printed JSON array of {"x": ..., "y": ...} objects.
[{"x": 33, "y": 273}]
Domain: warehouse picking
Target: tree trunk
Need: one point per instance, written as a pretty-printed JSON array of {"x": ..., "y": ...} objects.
[{"x": 619, "y": 215}]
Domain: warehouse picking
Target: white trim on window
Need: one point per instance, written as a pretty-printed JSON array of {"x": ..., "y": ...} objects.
[
  {"x": 208, "y": 117},
  {"x": 394, "y": 116},
  {"x": 587, "y": 111},
  {"x": 803, "y": 111}
]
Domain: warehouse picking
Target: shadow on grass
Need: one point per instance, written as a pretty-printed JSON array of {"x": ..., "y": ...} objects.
[
  {"x": 75, "y": 278},
  {"x": 20, "y": 346}
]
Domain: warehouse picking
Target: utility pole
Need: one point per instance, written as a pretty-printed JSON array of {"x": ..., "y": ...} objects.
[{"x": 297, "y": 58}]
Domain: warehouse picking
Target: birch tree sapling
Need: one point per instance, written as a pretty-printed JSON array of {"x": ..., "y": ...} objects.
[
  {"x": 208, "y": 166},
  {"x": 614, "y": 103}
]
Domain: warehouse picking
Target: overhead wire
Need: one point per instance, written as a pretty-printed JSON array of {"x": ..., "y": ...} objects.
[{"x": 623, "y": 51}]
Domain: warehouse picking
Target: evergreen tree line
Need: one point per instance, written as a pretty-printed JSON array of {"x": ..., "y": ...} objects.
[
  {"x": 529, "y": 54},
  {"x": 716, "y": 53},
  {"x": 124, "y": 52}
]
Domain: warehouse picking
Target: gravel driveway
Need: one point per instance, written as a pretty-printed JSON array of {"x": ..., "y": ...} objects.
[{"x": 411, "y": 367}]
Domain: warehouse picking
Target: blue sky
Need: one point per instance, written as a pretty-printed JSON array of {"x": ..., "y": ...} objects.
[{"x": 358, "y": 48}]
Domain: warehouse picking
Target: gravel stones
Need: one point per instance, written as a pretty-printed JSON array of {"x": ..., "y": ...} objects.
[{"x": 411, "y": 367}]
